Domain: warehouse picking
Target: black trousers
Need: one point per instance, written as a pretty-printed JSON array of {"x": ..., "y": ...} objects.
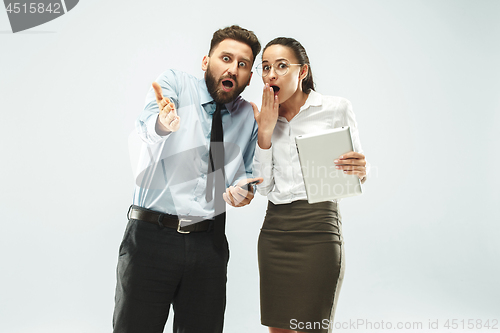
[{"x": 158, "y": 267}]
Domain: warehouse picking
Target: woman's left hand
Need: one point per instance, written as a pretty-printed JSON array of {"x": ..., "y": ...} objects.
[{"x": 352, "y": 163}]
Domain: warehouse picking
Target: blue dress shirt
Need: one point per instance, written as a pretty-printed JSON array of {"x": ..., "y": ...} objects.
[{"x": 172, "y": 175}]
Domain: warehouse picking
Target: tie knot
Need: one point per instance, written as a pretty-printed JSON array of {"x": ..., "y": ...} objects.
[{"x": 219, "y": 107}]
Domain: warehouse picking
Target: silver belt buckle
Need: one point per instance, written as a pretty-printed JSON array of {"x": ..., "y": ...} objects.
[{"x": 179, "y": 226}]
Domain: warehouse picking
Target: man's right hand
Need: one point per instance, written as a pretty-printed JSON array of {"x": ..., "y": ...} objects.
[{"x": 168, "y": 120}]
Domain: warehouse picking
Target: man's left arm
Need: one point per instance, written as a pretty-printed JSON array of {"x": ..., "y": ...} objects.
[{"x": 239, "y": 195}]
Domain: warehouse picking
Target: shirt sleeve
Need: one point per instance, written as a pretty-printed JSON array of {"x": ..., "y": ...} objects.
[
  {"x": 248, "y": 155},
  {"x": 350, "y": 120},
  {"x": 146, "y": 123},
  {"x": 263, "y": 167}
]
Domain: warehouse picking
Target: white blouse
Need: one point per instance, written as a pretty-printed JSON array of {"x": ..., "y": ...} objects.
[{"x": 279, "y": 165}]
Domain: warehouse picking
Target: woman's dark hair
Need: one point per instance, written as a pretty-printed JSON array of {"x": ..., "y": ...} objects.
[{"x": 302, "y": 58}]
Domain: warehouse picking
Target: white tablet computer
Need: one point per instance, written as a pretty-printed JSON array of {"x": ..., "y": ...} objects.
[{"x": 317, "y": 152}]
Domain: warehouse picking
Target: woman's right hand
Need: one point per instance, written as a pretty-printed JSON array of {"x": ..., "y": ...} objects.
[{"x": 267, "y": 117}]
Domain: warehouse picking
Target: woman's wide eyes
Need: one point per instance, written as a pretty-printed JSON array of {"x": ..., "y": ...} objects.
[{"x": 225, "y": 58}]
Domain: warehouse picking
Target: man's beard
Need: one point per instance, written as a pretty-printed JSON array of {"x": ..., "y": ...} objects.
[{"x": 218, "y": 94}]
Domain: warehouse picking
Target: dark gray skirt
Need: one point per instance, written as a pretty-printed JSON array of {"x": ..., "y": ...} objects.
[{"x": 301, "y": 264}]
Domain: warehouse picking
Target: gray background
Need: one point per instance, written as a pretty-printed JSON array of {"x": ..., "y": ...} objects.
[{"x": 424, "y": 81}]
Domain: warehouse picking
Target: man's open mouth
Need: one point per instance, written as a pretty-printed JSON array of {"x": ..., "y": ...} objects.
[
  {"x": 227, "y": 85},
  {"x": 276, "y": 89}
]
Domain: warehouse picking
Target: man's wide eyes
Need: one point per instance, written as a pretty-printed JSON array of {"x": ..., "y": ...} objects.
[{"x": 228, "y": 59}]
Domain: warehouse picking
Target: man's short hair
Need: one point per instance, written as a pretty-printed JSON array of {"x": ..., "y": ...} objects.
[{"x": 237, "y": 33}]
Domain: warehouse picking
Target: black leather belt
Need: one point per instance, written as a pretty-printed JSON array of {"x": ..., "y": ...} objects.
[{"x": 169, "y": 221}]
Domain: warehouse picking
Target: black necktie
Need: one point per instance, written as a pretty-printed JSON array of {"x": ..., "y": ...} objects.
[{"x": 216, "y": 170}]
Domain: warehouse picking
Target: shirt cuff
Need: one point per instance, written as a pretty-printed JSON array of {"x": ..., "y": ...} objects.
[
  {"x": 264, "y": 156},
  {"x": 368, "y": 167},
  {"x": 151, "y": 126}
]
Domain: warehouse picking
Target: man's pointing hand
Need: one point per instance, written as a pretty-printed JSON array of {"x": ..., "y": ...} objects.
[{"x": 168, "y": 120}]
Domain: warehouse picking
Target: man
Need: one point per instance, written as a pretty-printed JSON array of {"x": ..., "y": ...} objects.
[{"x": 200, "y": 137}]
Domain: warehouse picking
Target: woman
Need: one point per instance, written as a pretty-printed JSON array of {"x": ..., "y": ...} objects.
[{"x": 301, "y": 259}]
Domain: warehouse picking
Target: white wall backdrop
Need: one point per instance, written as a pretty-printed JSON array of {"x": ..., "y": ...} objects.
[{"x": 423, "y": 77}]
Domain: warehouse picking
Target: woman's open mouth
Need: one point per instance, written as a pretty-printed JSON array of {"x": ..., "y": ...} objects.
[
  {"x": 276, "y": 90},
  {"x": 227, "y": 85}
]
